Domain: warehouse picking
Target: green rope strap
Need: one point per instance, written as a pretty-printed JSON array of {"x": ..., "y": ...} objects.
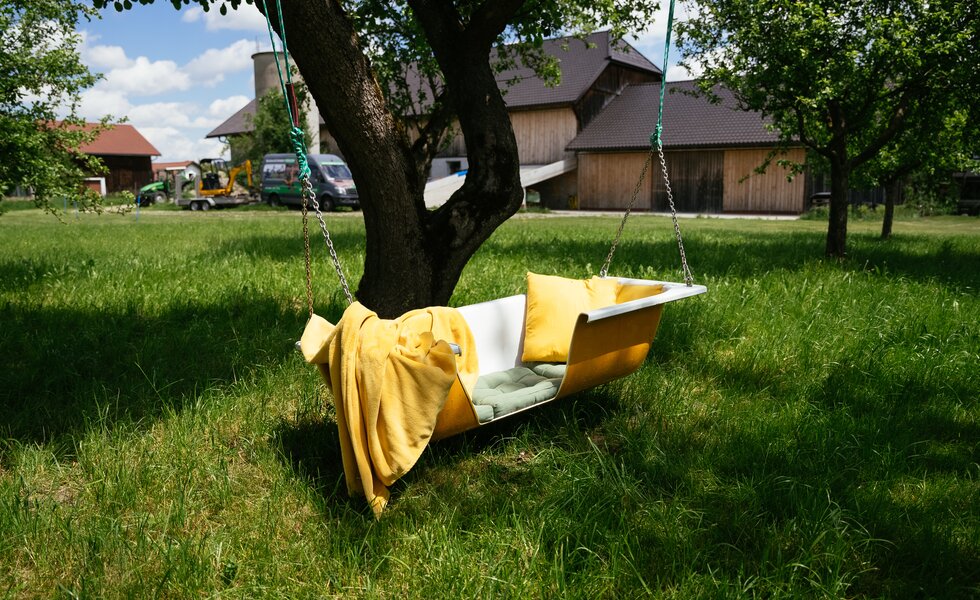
[
  {"x": 295, "y": 134},
  {"x": 656, "y": 138},
  {"x": 297, "y": 139},
  {"x": 657, "y": 147}
]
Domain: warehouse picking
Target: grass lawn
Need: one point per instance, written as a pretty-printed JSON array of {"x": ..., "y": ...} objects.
[{"x": 807, "y": 428}]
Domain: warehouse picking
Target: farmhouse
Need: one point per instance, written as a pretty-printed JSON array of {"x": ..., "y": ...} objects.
[
  {"x": 126, "y": 155},
  {"x": 583, "y": 142}
]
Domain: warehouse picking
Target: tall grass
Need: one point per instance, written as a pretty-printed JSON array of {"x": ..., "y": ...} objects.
[{"x": 807, "y": 428}]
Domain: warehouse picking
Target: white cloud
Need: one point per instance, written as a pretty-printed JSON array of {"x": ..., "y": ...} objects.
[
  {"x": 246, "y": 18},
  {"x": 175, "y": 144},
  {"x": 171, "y": 114},
  {"x": 650, "y": 42},
  {"x": 96, "y": 103},
  {"x": 105, "y": 57},
  {"x": 223, "y": 108},
  {"x": 679, "y": 73},
  {"x": 176, "y": 129},
  {"x": 143, "y": 77},
  {"x": 192, "y": 14},
  {"x": 210, "y": 67}
]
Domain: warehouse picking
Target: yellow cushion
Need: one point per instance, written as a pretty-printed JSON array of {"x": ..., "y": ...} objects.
[
  {"x": 553, "y": 306},
  {"x": 629, "y": 292}
]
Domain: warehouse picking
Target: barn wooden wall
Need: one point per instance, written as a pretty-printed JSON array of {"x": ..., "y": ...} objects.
[
  {"x": 543, "y": 134},
  {"x": 702, "y": 181},
  {"x": 606, "y": 180},
  {"x": 126, "y": 172},
  {"x": 747, "y": 191},
  {"x": 695, "y": 180}
]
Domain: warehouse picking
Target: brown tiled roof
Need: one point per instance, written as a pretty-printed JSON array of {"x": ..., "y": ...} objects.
[
  {"x": 580, "y": 63},
  {"x": 120, "y": 140},
  {"x": 236, "y": 123},
  {"x": 239, "y": 122},
  {"x": 689, "y": 121}
]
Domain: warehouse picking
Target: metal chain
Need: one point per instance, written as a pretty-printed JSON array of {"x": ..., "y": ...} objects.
[
  {"x": 306, "y": 254},
  {"x": 619, "y": 233},
  {"x": 311, "y": 196},
  {"x": 688, "y": 278}
]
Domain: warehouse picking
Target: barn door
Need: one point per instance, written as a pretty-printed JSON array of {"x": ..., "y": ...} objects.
[{"x": 696, "y": 181}]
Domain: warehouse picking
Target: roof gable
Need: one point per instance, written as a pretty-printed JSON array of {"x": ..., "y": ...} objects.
[
  {"x": 580, "y": 63},
  {"x": 237, "y": 123},
  {"x": 119, "y": 140},
  {"x": 689, "y": 121}
]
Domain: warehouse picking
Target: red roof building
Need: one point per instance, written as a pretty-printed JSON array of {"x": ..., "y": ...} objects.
[{"x": 126, "y": 154}]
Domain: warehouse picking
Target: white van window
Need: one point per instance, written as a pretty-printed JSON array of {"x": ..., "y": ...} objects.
[
  {"x": 337, "y": 172},
  {"x": 275, "y": 170}
]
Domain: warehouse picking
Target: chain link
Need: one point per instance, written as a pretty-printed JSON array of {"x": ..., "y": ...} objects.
[
  {"x": 688, "y": 278},
  {"x": 629, "y": 208},
  {"x": 311, "y": 196}
]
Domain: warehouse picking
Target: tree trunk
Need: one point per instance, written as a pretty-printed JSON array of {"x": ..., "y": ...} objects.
[
  {"x": 837, "y": 228},
  {"x": 413, "y": 256},
  {"x": 892, "y": 190}
]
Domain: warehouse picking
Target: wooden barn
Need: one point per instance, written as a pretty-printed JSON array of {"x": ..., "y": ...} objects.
[
  {"x": 711, "y": 149},
  {"x": 546, "y": 118},
  {"x": 126, "y": 155}
]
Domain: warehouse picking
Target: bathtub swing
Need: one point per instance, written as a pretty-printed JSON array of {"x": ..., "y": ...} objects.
[{"x": 484, "y": 366}]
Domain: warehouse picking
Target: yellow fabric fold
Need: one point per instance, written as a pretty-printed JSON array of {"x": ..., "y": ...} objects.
[{"x": 390, "y": 379}]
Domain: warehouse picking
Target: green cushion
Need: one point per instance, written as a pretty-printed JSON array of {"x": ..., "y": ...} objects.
[
  {"x": 549, "y": 370},
  {"x": 484, "y": 412},
  {"x": 508, "y": 391}
]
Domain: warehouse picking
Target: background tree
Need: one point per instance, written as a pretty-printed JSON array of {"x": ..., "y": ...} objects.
[
  {"x": 43, "y": 76},
  {"x": 348, "y": 51},
  {"x": 937, "y": 143},
  {"x": 844, "y": 78},
  {"x": 270, "y": 128}
]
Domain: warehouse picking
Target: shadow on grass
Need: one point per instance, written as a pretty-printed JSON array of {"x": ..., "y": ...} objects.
[
  {"x": 311, "y": 451},
  {"x": 745, "y": 254},
  {"x": 347, "y": 239},
  {"x": 67, "y": 370},
  {"x": 874, "y": 457}
]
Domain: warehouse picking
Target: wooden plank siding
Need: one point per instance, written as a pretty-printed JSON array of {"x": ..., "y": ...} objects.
[
  {"x": 126, "y": 173},
  {"x": 606, "y": 180},
  {"x": 543, "y": 134},
  {"x": 695, "y": 180},
  {"x": 702, "y": 181},
  {"x": 747, "y": 191}
]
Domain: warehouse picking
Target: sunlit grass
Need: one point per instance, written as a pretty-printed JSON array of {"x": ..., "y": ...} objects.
[{"x": 807, "y": 428}]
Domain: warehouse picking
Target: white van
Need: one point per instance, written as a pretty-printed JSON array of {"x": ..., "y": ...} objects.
[{"x": 332, "y": 181}]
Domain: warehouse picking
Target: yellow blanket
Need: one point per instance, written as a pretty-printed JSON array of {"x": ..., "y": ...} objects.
[{"x": 390, "y": 379}]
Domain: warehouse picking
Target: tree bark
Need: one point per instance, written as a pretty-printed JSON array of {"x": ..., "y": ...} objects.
[
  {"x": 837, "y": 227},
  {"x": 892, "y": 190},
  {"x": 413, "y": 257}
]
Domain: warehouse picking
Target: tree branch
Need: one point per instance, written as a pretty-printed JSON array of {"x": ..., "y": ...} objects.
[
  {"x": 894, "y": 127},
  {"x": 427, "y": 145}
]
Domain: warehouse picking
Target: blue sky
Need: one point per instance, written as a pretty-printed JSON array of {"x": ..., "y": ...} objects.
[{"x": 177, "y": 74}]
